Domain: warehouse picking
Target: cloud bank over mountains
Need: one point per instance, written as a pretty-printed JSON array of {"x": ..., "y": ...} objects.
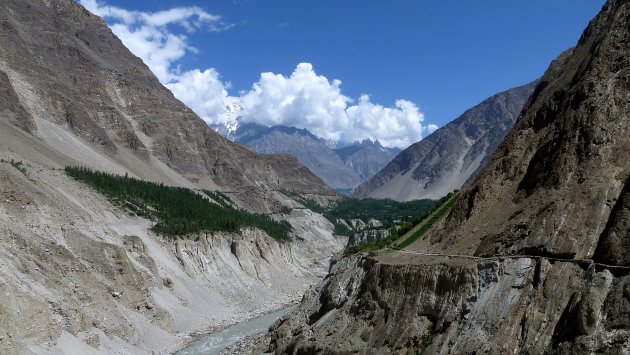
[{"x": 303, "y": 99}]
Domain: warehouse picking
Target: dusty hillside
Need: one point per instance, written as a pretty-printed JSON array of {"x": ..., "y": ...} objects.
[
  {"x": 533, "y": 256},
  {"x": 450, "y": 156},
  {"x": 79, "y": 275},
  {"x": 73, "y": 94}
]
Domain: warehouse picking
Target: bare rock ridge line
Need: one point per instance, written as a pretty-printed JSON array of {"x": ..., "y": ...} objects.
[
  {"x": 557, "y": 188},
  {"x": 109, "y": 111},
  {"x": 310, "y": 150},
  {"x": 342, "y": 168},
  {"x": 452, "y": 155}
]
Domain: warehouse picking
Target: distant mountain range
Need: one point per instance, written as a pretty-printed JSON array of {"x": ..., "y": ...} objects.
[
  {"x": 452, "y": 155},
  {"x": 431, "y": 168},
  {"x": 342, "y": 167}
]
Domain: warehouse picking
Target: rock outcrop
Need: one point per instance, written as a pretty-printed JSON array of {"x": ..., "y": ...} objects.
[
  {"x": 370, "y": 235},
  {"x": 451, "y": 156},
  {"x": 533, "y": 256},
  {"x": 79, "y": 275}
]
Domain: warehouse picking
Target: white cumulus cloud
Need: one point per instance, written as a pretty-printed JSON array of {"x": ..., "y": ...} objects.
[
  {"x": 398, "y": 126},
  {"x": 204, "y": 93},
  {"x": 151, "y": 36},
  {"x": 303, "y": 99},
  {"x": 308, "y": 100},
  {"x": 432, "y": 128}
]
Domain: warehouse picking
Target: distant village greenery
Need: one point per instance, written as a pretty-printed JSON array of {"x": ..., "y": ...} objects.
[
  {"x": 389, "y": 212},
  {"x": 424, "y": 221},
  {"x": 177, "y": 210}
]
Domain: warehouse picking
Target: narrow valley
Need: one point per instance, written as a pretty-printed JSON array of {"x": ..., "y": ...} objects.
[{"x": 177, "y": 177}]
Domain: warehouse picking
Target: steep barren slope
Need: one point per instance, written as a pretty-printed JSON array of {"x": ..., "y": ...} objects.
[
  {"x": 450, "y": 156},
  {"x": 83, "y": 98},
  {"x": 533, "y": 256},
  {"x": 79, "y": 275}
]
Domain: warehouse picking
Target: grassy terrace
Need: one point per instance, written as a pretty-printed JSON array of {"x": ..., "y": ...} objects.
[
  {"x": 177, "y": 210},
  {"x": 442, "y": 210}
]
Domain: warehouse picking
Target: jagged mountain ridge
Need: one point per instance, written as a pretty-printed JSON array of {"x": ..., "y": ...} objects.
[
  {"x": 343, "y": 168},
  {"x": 366, "y": 157},
  {"x": 530, "y": 258},
  {"x": 85, "y": 99},
  {"x": 309, "y": 150},
  {"x": 450, "y": 156}
]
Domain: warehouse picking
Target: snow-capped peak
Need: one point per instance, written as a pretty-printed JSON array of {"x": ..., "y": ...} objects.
[
  {"x": 231, "y": 122},
  {"x": 232, "y": 117}
]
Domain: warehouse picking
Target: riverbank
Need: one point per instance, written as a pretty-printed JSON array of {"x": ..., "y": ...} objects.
[
  {"x": 235, "y": 338},
  {"x": 255, "y": 344}
]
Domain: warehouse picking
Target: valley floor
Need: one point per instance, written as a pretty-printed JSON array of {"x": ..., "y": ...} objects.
[{"x": 80, "y": 276}]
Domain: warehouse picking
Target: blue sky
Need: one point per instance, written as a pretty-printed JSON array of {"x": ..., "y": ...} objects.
[{"x": 442, "y": 57}]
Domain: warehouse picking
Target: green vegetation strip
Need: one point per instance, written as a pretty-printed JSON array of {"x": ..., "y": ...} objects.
[
  {"x": 220, "y": 198},
  {"x": 372, "y": 246},
  {"x": 423, "y": 217},
  {"x": 388, "y": 212},
  {"x": 177, "y": 210},
  {"x": 306, "y": 202},
  {"x": 430, "y": 221}
]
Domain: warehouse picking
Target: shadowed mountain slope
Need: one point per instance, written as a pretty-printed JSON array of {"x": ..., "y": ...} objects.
[
  {"x": 87, "y": 269},
  {"x": 450, "y": 156},
  {"x": 533, "y": 256}
]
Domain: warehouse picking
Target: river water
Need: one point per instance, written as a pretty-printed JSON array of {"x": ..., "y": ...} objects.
[{"x": 216, "y": 342}]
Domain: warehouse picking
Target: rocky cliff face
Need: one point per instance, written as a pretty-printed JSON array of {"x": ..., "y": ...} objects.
[
  {"x": 533, "y": 256},
  {"x": 78, "y": 96},
  {"x": 450, "y": 156}
]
